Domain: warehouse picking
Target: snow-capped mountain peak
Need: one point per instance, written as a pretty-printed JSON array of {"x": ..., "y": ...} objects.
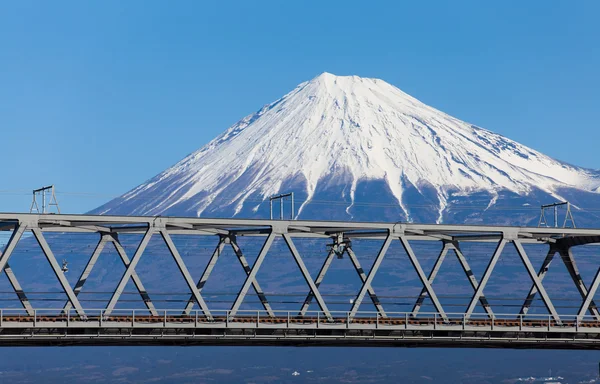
[{"x": 343, "y": 130}]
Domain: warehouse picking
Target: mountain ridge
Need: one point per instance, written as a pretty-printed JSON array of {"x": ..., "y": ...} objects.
[{"x": 333, "y": 133}]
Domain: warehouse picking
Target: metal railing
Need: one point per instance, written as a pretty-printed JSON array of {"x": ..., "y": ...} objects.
[{"x": 134, "y": 318}]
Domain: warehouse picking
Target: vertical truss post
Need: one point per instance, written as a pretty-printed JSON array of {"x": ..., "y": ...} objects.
[
  {"x": 244, "y": 263},
  {"x": 307, "y": 277},
  {"x": 318, "y": 281},
  {"x": 207, "y": 271},
  {"x": 367, "y": 284},
  {"x": 536, "y": 280},
  {"x": 58, "y": 271},
  {"x": 129, "y": 271},
  {"x": 486, "y": 276},
  {"x": 363, "y": 278},
  {"x": 252, "y": 275},
  {"x": 88, "y": 268},
  {"x": 415, "y": 262},
  {"x": 184, "y": 271},
  {"x": 541, "y": 274},
  {"x": 134, "y": 276},
  {"x": 569, "y": 261}
]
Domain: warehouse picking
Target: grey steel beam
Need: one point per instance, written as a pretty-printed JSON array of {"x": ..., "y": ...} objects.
[
  {"x": 590, "y": 295},
  {"x": 88, "y": 268},
  {"x": 569, "y": 261},
  {"x": 536, "y": 280},
  {"x": 12, "y": 279},
  {"x": 367, "y": 284},
  {"x": 252, "y": 275},
  {"x": 432, "y": 275},
  {"x": 12, "y": 243},
  {"x": 206, "y": 274},
  {"x": 134, "y": 276},
  {"x": 129, "y": 271},
  {"x": 415, "y": 262},
  {"x": 37, "y": 233},
  {"x": 244, "y": 263},
  {"x": 318, "y": 281},
  {"x": 186, "y": 274},
  {"x": 363, "y": 278},
  {"x": 541, "y": 274},
  {"x": 472, "y": 279},
  {"x": 307, "y": 277},
  {"x": 486, "y": 276}
]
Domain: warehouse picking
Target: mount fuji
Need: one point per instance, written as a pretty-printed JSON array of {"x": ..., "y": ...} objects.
[{"x": 354, "y": 148}]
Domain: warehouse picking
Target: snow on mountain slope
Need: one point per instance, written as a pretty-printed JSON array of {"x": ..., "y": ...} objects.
[{"x": 341, "y": 131}]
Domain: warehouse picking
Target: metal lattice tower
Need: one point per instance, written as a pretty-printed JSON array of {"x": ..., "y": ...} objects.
[
  {"x": 569, "y": 221},
  {"x": 47, "y": 195},
  {"x": 281, "y": 197}
]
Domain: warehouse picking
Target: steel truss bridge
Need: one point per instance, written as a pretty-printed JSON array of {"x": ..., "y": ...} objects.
[{"x": 197, "y": 324}]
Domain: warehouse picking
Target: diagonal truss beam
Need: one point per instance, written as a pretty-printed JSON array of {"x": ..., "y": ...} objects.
[
  {"x": 566, "y": 255},
  {"x": 471, "y": 276},
  {"x": 432, "y": 275},
  {"x": 129, "y": 271},
  {"x": 14, "y": 282},
  {"x": 424, "y": 280},
  {"x": 590, "y": 295},
  {"x": 88, "y": 268},
  {"x": 104, "y": 239},
  {"x": 244, "y": 263},
  {"x": 134, "y": 276},
  {"x": 223, "y": 240},
  {"x": 318, "y": 281},
  {"x": 12, "y": 279},
  {"x": 363, "y": 278},
  {"x": 37, "y": 233},
  {"x": 536, "y": 280},
  {"x": 486, "y": 276},
  {"x": 569, "y": 261},
  {"x": 15, "y": 237},
  {"x": 207, "y": 271},
  {"x": 307, "y": 277},
  {"x": 541, "y": 274},
  {"x": 186, "y": 274},
  {"x": 367, "y": 284},
  {"x": 252, "y": 275}
]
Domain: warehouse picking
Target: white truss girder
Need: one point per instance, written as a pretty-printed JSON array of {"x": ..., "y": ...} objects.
[{"x": 227, "y": 230}]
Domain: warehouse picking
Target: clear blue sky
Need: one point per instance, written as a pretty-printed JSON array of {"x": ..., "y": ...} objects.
[{"x": 97, "y": 97}]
